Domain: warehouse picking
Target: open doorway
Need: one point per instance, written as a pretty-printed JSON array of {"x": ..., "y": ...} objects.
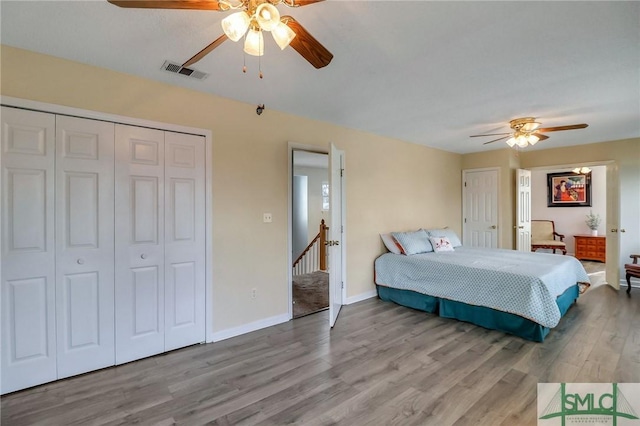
[
  {"x": 310, "y": 222},
  {"x": 588, "y": 245}
]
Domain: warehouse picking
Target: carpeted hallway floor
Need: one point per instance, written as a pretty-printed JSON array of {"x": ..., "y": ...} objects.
[
  {"x": 596, "y": 272},
  {"x": 310, "y": 293}
]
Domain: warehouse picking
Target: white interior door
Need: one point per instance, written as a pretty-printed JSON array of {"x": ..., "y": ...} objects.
[
  {"x": 28, "y": 249},
  {"x": 523, "y": 210},
  {"x": 84, "y": 245},
  {"x": 613, "y": 264},
  {"x": 184, "y": 232},
  {"x": 139, "y": 242},
  {"x": 480, "y": 205},
  {"x": 336, "y": 246}
]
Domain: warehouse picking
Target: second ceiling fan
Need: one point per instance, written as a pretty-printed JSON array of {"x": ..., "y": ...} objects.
[
  {"x": 252, "y": 17},
  {"x": 527, "y": 131}
]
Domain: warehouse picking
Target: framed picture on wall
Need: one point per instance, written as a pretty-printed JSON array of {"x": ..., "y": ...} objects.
[{"x": 569, "y": 189}]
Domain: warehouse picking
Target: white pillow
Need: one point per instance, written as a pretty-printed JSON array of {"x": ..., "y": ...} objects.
[
  {"x": 390, "y": 243},
  {"x": 415, "y": 242},
  {"x": 441, "y": 244},
  {"x": 450, "y": 234}
]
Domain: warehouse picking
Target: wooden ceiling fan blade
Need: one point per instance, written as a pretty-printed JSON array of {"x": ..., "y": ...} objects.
[
  {"x": 171, "y": 4},
  {"x": 307, "y": 46},
  {"x": 558, "y": 128},
  {"x": 496, "y": 140},
  {"x": 299, "y": 3},
  {"x": 541, "y": 137},
  {"x": 204, "y": 52},
  {"x": 490, "y": 134}
]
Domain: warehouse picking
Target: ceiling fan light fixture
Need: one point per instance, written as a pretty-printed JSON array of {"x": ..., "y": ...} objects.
[
  {"x": 254, "y": 43},
  {"x": 267, "y": 16},
  {"x": 235, "y": 25},
  {"x": 581, "y": 170},
  {"x": 521, "y": 141},
  {"x": 511, "y": 141},
  {"x": 532, "y": 139},
  {"x": 283, "y": 35}
]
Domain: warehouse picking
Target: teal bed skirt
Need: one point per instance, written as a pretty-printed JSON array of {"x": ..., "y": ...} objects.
[{"x": 479, "y": 315}]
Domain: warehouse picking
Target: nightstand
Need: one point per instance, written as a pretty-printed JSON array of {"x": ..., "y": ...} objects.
[{"x": 589, "y": 247}]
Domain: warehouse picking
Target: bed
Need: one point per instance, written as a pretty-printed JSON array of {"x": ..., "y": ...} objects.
[{"x": 520, "y": 293}]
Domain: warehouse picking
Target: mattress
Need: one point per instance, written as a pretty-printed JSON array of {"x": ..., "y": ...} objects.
[{"x": 520, "y": 283}]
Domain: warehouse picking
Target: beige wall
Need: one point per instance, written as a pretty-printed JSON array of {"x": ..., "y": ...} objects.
[{"x": 391, "y": 185}]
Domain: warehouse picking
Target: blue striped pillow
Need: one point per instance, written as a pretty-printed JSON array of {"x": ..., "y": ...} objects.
[{"x": 413, "y": 242}]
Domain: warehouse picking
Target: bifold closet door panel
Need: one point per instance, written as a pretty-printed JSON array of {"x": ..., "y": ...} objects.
[
  {"x": 184, "y": 240},
  {"x": 28, "y": 249},
  {"x": 84, "y": 245},
  {"x": 139, "y": 243}
]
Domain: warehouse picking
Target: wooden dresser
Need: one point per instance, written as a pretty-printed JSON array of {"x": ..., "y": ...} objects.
[{"x": 591, "y": 248}]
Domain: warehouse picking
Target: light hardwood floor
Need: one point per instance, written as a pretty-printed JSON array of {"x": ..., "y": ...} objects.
[{"x": 382, "y": 364}]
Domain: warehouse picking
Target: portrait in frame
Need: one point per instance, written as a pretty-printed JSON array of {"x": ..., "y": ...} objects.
[{"x": 569, "y": 189}]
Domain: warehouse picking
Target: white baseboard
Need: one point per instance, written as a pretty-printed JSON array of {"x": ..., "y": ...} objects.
[
  {"x": 360, "y": 297},
  {"x": 278, "y": 319},
  {"x": 247, "y": 328}
]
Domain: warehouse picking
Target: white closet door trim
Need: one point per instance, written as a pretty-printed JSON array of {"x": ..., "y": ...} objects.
[{"x": 208, "y": 135}]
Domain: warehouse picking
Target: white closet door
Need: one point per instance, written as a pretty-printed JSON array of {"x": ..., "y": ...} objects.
[
  {"x": 84, "y": 245},
  {"x": 184, "y": 240},
  {"x": 139, "y": 239},
  {"x": 28, "y": 249}
]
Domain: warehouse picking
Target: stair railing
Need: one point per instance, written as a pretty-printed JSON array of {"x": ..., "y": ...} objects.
[{"x": 314, "y": 257}]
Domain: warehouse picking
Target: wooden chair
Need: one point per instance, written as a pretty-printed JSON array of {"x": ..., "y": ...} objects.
[
  {"x": 543, "y": 236},
  {"x": 633, "y": 270}
]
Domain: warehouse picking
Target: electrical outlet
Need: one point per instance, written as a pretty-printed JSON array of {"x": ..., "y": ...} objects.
[
  {"x": 254, "y": 293},
  {"x": 267, "y": 218}
]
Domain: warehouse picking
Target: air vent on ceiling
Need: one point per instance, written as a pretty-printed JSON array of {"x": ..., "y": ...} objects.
[{"x": 187, "y": 72}]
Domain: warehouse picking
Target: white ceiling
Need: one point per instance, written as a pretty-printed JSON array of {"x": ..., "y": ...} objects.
[{"x": 430, "y": 73}]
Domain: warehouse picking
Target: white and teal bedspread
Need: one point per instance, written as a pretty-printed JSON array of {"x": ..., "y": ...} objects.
[{"x": 521, "y": 283}]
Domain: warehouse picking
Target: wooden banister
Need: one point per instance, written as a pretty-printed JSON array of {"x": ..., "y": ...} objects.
[
  {"x": 322, "y": 238},
  {"x": 323, "y": 245}
]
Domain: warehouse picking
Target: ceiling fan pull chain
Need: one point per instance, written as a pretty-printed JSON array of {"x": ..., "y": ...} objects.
[
  {"x": 259, "y": 60},
  {"x": 244, "y": 58}
]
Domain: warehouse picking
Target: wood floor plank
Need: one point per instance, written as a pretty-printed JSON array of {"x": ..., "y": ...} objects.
[{"x": 382, "y": 364}]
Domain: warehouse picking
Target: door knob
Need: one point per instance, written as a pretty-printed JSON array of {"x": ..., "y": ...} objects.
[
  {"x": 520, "y": 227},
  {"x": 143, "y": 256},
  {"x": 80, "y": 261},
  {"x": 493, "y": 227},
  {"x": 622, "y": 230},
  {"x": 614, "y": 230},
  {"x": 336, "y": 243}
]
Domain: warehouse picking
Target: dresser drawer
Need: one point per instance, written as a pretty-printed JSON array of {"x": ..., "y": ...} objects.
[{"x": 590, "y": 248}]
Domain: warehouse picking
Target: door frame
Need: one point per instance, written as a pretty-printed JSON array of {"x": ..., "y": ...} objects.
[
  {"x": 293, "y": 146},
  {"x": 333, "y": 314},
  {"x": 120, "y": 119},
  {"x": 498, "y": 201}
]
